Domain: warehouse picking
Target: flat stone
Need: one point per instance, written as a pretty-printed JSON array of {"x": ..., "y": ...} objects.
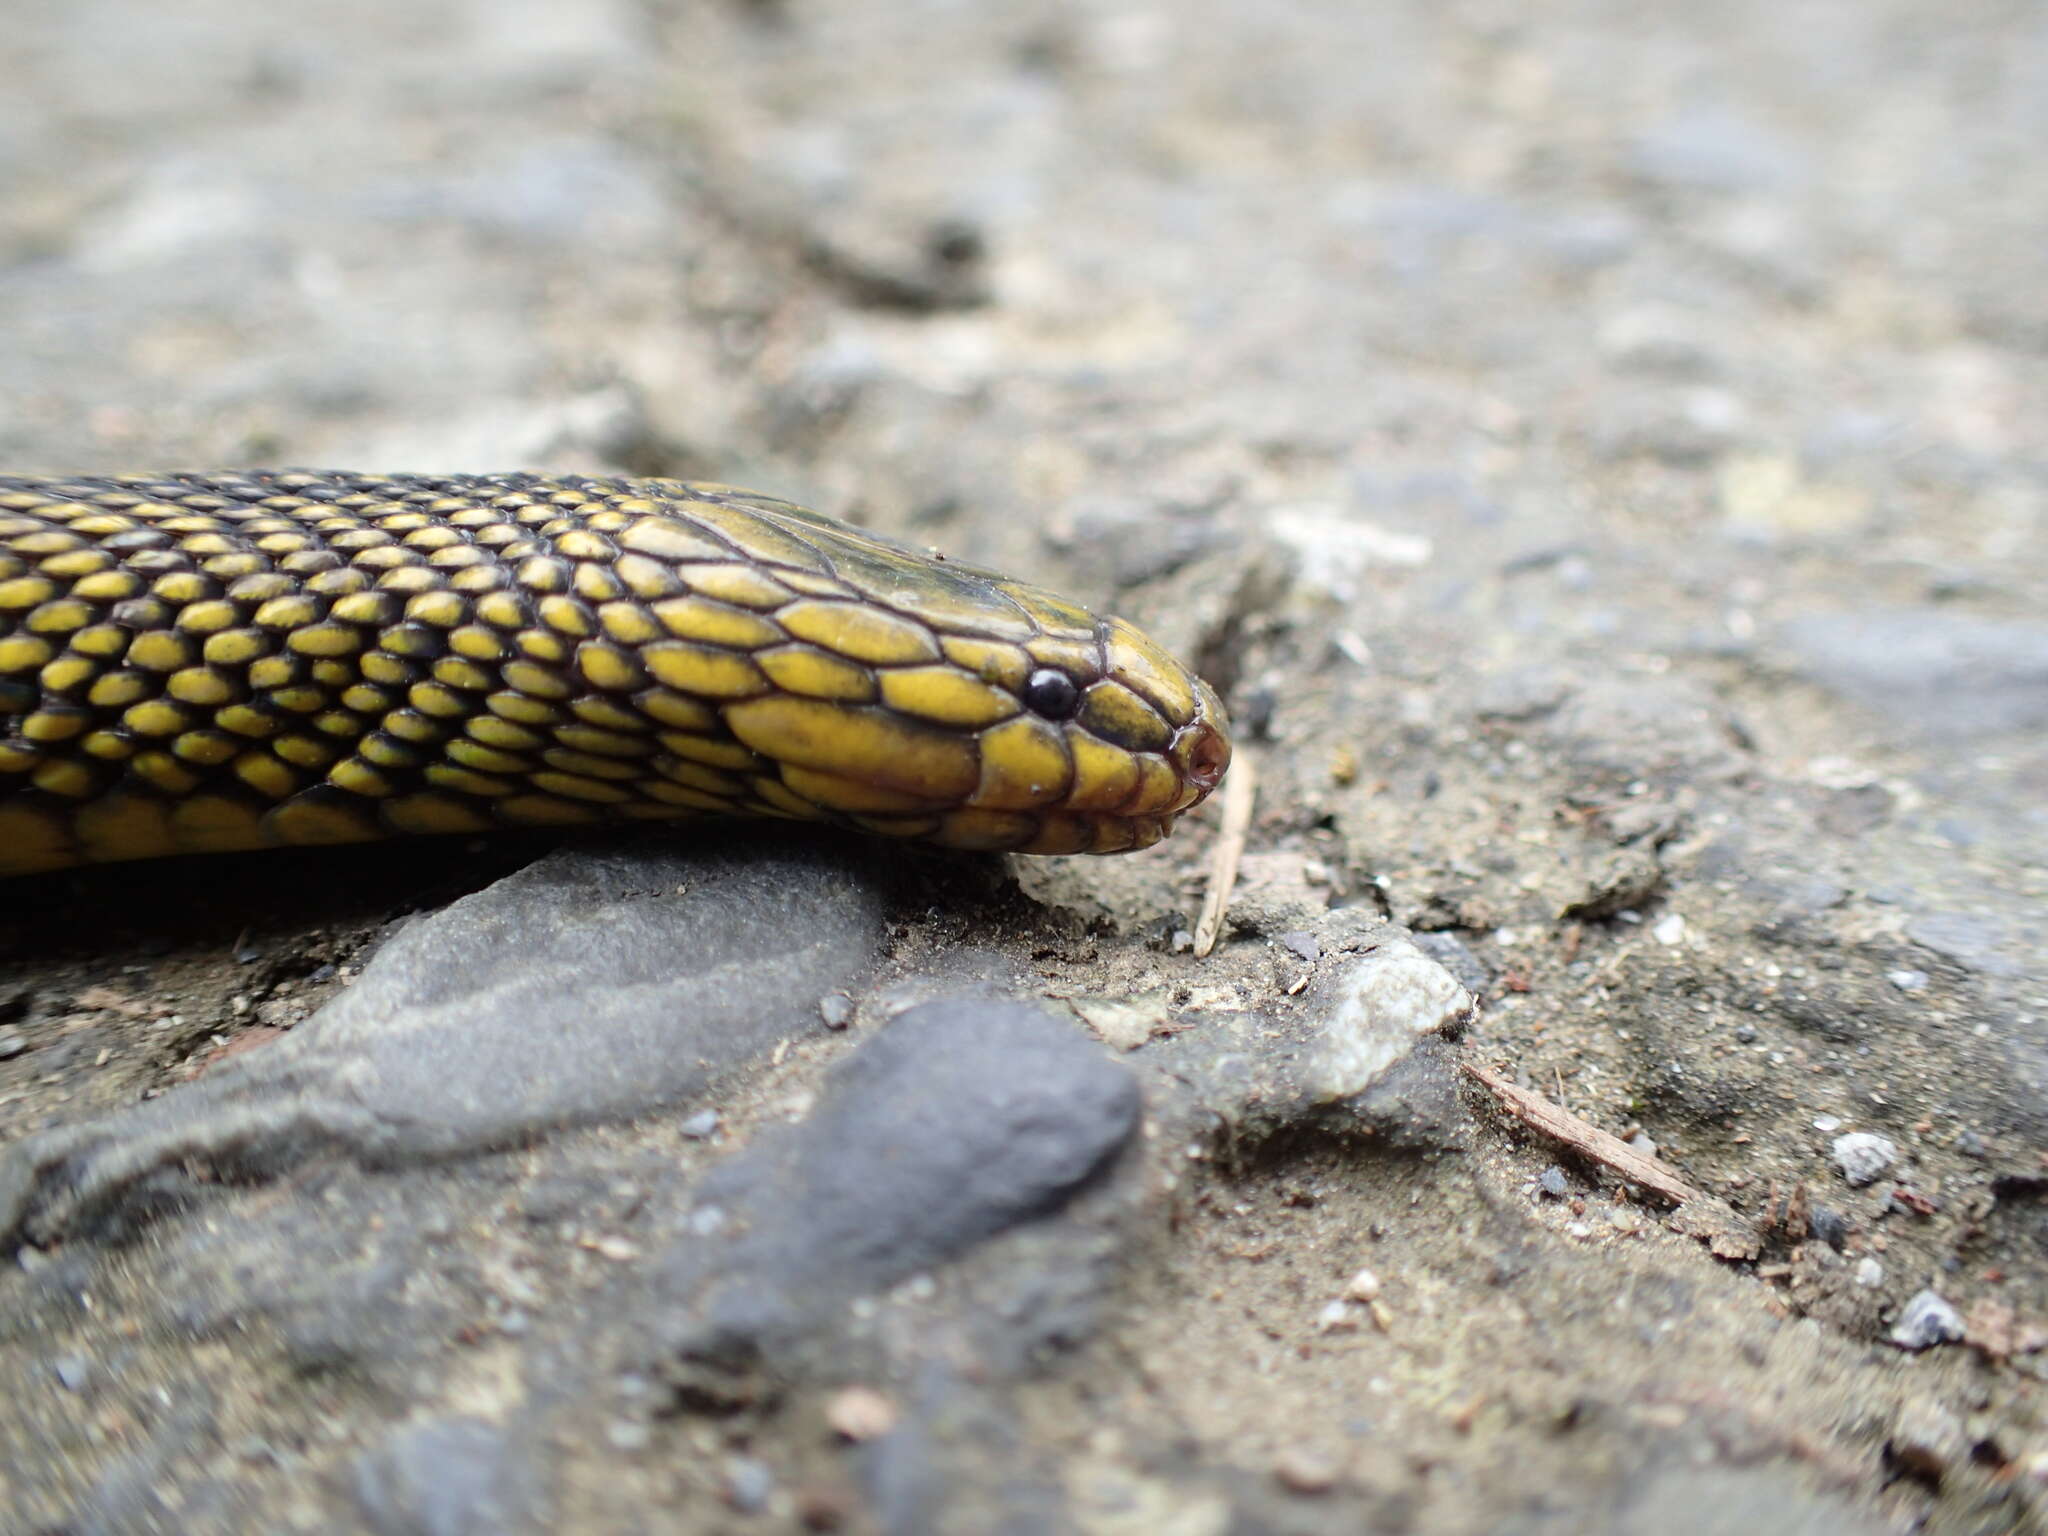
[
  {"x": 1935, "y": 673},
  {"x": 599, "y": 982},
  {"x": 1976, "y": 943}
]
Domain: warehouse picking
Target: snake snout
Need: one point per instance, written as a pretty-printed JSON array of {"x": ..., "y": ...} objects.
[
  {"x": 1201, "y": 748},
  {"x": 1203, "y": 753}
]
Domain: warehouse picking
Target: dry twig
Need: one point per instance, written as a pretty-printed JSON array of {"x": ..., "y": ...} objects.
[
  {"x": 1532, "y": 1109},
  {"x": 1240, "y": 789}
]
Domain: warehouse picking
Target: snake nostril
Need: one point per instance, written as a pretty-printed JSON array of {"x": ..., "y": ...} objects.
[{"x": 1206, "y": 756}]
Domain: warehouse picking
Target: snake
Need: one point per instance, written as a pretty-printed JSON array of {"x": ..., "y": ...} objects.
[{"x": 222, "y": 662}]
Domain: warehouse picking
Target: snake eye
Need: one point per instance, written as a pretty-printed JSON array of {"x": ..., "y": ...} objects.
[{"x": 1052, "y": 694}]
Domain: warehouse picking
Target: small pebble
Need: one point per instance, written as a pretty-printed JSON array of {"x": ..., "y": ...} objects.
[
  {"x": 1301, "y": 1470},
  {"x": 749, "y": 1485},
  {"x": 1746, "y": 1033},
  {"x": 1669, "y": 930},
  {"x": 1907, "y": 981},
  {"x": 1827, "y": 1123},
  {"x": 72, "y": 1372},
  {"x": 1828, "y": 1225},
  {"x": 1303, "y": 944},
  {"x": 12, "y": 1043},
  {"x": 836, "y": 1009},
  {"x": 1925, "y": 1321},
  {"x": 628, "y": 1435},
  {"x": 1337, "y": 1317},
  {"x": 1363, "y": 1286},
  {"x": 700, "y": 1126},
  {"x": 1862, "y": 1156},
  {"x": 860, "y": 1413},
  {"x": 1868, "y": 1273},
  {"x": 1552, "y": 1182},
  {"x": 1642, "y": 1142}
]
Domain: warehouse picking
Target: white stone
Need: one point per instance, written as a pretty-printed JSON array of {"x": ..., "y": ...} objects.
[{"x": 1863, "y": 1156}]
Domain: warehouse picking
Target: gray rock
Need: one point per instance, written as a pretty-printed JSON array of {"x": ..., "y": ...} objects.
[
  {"x": 1932, "y": 672},
  {"x": 1828, "y": 1225},
  {"x": 12, "y": 1043},
  {"x": 439, "y": 1477},
  {"x": 1976, "y": 943},
  {"x": 598, "y": 982},
  {"x": 1926, "y": 1320},
  {"x": 959, "y": 1119},
  {"x": 1634, "y": 728},
  {"x": 1863, "y": 1156}
]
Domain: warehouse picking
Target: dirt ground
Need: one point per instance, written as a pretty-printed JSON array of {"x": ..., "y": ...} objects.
[{"x": 1597, "y": 453}]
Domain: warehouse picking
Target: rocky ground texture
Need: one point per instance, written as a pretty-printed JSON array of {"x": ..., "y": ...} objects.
[{"x": 1598, "y": 456}]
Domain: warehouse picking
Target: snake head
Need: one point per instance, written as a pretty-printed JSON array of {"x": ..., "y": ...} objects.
[{"x": 986, "y": 713}]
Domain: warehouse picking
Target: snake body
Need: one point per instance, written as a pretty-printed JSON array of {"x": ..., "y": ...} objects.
[{"x": 216, "y": 662}]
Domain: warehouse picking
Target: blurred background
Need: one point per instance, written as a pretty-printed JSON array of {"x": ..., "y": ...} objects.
[{"x": 1597, "y": 447}]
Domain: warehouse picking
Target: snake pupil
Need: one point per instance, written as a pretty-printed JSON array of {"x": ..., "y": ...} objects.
[{"x": 1052, "y": 694}]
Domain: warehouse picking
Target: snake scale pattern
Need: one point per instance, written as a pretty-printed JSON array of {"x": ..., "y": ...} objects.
[{"x": 217, "y": 662}]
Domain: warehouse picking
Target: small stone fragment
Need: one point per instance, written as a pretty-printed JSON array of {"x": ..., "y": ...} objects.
[
  {"x": 1302, "y": 944},
  {"x": 629, "y": 1435},
  {"x": 1926, "y": 1439},
  {"x": 701, "y": 1126},
  {"x": 1868, "y": 1273},
  {"x": 12, "y": 1043},
  {"x": 860, "y": 1413},
  {"x": 1907, "y": 981},
  {"x": 1863, "y": 1156},
  {"x": 1337, "y": 1317},
  {"x": 1925, "y": 1321},
  {"x": 72, "y": 1372},
  {"x": 1992, "y": 1328},
  {"x": 1551, "y": 1181},
  {"x": 1363, "y": 1286},
  {"x": 836, "y": 1009},
  {"x": 1383, "y": 1005},
  {"x": 749, "y": 1485},
  {"x": 1828, "y": 1225},
  {"x": 1301, "y": 1470},
  {"x": 1669, "y": 930}
]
